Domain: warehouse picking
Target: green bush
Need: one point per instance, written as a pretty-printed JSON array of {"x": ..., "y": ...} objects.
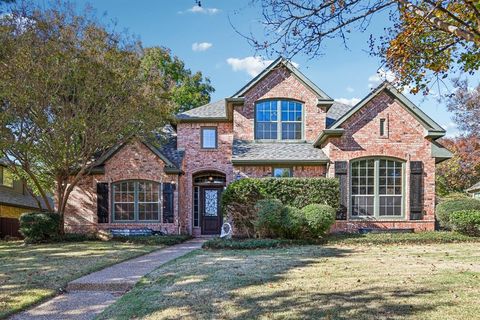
[
  {"x": 240, "y": 197},
  {"x": 446, "y": 208},
  {"x": 271, "y": 220},
  {"x": 251, "y": 244},
  {"x": 319, "y": 218},
  {"x": 39, "y": 226},
  {"x": 295, "y": 224},
  {"x": 466, "y": 222},
  {"x": 154, "y": 240}
]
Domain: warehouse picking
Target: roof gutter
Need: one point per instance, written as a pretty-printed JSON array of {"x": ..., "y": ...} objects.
[{"x": 327, "y": 133}]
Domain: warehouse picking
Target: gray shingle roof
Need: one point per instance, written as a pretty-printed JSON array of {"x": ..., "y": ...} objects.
[
  {"x": 213, "y": 110},
  {"x": 276, "y": 152},
  {"x": 14, "y": 198},
  {"x": 476, "y": 186},
  {"x": 168, "y": 146},
  {"x": 336, "y": 111}
]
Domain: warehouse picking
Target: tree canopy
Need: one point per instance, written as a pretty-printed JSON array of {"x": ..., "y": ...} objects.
[
  {"x": 71, "y": 88},
  {"x": 425, "y": 40}
]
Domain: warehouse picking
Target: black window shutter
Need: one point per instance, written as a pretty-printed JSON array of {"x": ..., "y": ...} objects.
[
  {"x": 416, "y": 190},
  {"x": 168, "y": 189},
  {"x": 102, "y": 202},
  {"x": 341, "y": 173}
]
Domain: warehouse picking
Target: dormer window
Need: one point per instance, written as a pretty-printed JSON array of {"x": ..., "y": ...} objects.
[{"x": 278, "y": 120}]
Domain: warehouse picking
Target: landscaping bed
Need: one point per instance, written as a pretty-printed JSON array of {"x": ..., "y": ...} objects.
[
  {"x": 427, "y": 237},
  {"x": 32, "y": 273}
]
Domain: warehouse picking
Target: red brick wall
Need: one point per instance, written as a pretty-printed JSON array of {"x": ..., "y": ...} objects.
[
  {"x": 279, "y": 83},
  {"x": 197, "y": 160},
  {"x": 133, "y": 161},
  {"x": 266, "y": 171},
  {"x": 405, "y": 141}
]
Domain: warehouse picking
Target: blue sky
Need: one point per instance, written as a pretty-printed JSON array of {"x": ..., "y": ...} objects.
[{"x": 205, "y": 40}]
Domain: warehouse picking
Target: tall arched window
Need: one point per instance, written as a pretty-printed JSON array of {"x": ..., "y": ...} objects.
[{"x": 377, "y": 188}]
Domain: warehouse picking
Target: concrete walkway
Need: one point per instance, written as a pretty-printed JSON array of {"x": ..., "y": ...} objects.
[{"x": 88, "y": 296}]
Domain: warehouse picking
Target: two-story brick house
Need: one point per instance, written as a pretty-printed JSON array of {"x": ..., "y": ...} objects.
[{"x": 383, "y": 151}]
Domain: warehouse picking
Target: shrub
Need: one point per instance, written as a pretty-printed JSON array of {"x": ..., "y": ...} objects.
[
  {"x": 271, "y": 220},
  {"x": 251, "y": 244},
  {"x": 39, "y": 226},
  {"x": 319, "y": 218},
  {"x": 295, "y": 224},
  {"x": 240, "y": 197},
  {"x": 446, "y": 208},
  {"x": 466, "y": 222}
]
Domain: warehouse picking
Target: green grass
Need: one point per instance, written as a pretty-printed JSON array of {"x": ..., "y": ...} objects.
[
  {"x": 32, "y": 273},
  {"x": 333, "y": 281},
  {"x": 347, "y": 238}
]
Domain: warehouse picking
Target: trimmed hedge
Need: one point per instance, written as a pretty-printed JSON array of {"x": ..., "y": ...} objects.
[
  {"x": 240, "y": 197},
  {"x": 252, "y": 244},
  {"x": 444, "y": 210},
  {"x": 319, "y": 218},
  {"x": 466, "y": 222},
  {"x": 39, "y": 226}
]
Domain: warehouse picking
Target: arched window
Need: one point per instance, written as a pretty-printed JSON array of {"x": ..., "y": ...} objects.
[
  {"x": 377, "y": 188},
  {"x": 136, "y": 201},
  {"x": 278, "y": 120}
]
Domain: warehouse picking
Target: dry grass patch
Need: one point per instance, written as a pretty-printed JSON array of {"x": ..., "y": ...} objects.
[
  {"x": 432, "y": 281},
  {"x": 31, "y": 273}
]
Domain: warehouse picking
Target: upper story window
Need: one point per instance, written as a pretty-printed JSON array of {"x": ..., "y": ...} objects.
[
  {"x": 6, "y": 177},
  {"x": 209, "y": 138},
  {"x": 278, "y": 120}
]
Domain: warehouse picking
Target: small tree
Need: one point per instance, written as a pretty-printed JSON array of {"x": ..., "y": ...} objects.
[{"x": 69, "y": 90}]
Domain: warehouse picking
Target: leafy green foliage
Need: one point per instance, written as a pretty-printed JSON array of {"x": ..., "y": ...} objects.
[
  {"x": 153, "y": 240},
  {"x": 271, "y": 220},
  {"x": 39, "y": 226},
  {"x": 251, "y": 244},
  {"x": 240, "y": 197},
  {"x": 466, "y": 222},
  {"x": 445, "y": 209},
  {"x": 319, "y": 218},
  {"x": 188, "y": 90}
]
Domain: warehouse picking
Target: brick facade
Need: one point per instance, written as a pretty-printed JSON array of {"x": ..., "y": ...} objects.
[
  {"x": 279, "y": 83},
  {"x": 404, "y": 140},
  {"x": 132, "y": 162}
]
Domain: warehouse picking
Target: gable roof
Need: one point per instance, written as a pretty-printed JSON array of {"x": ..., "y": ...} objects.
[
  {"x": 335, "y": 112},
  {"x": 322, "y": 96},
  {"x": 434, "y": 130},
  {"x": 164, "y": 146},
  {"x": 475, "y": 187},
  {"x": 216, "y": 111}
]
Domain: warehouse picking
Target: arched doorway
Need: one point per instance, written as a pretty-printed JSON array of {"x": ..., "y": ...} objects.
[{"x": 207, "y": 190}]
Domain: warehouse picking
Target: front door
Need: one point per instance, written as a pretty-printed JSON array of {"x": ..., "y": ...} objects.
[{"x": 211, "y": 216}]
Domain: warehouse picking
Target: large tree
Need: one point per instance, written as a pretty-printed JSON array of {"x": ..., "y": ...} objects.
[
  {"x": 461, "y": 171},
  {"x": 69, "y": 90},
  {"x": 464, "y": 103},
  {"x": 188, "y": 90},
  {"x": 425, "y": 40}
]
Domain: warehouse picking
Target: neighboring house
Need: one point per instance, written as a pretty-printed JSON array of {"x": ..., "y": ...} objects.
[
  {"x": 383, "y": 150},
  {"x": 14, "y": 200},
  {"x": 474, "y": 191}
]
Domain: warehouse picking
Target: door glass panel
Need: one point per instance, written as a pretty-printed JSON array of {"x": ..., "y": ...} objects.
[{"x": 211, "y": 203}]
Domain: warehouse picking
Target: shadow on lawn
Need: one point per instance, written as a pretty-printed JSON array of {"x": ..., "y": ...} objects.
[{"x": 249, "y": 285}]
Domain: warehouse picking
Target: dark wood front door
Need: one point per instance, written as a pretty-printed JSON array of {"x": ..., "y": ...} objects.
[{"x": 210, "y": 210}]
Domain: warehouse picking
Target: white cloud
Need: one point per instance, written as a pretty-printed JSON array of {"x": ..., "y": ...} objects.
[
  {"x": 350, "y": 89},
  {"x": 350, "y": 102},
  {"x": 251, "y": 65},
  {"x": 201, "y": 46},
  {"x": 204, "y": 10},
  {"x": 380, "y": 76}
]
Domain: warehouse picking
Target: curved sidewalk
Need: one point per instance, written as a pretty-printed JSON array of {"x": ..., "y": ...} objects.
[{"x": 88, "y": 296}]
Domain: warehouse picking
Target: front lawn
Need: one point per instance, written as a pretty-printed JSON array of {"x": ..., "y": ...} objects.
[
  {"x": 31, "y": 273},
  {"x": 332, "y": 281}
]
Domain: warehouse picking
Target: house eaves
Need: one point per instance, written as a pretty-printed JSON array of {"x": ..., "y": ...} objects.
[
  {"x": 323, "y": 98},
  {"x": 432, "y": 129}
]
